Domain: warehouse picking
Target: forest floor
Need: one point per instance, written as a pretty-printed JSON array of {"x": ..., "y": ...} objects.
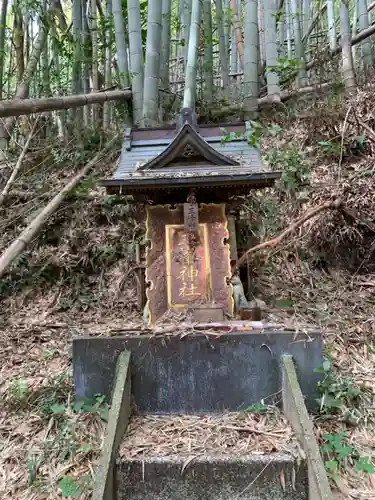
[{"x": 77, "y": 278}]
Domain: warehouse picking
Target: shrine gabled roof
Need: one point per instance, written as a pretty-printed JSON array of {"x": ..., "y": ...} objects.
[{"x": 160, "y": 157}]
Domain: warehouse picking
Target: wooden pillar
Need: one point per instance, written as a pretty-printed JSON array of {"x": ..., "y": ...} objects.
[
  {"x": 141, "y": 281},
  {"x": 232, "y": 238}
]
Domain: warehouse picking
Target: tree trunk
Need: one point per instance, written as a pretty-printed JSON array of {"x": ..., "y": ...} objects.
[
  {"x": 366, "y": 49},
  {"x": 77, "y": 60},
  {"x": 94, "y": 52},
  {"x": 273, "y": 88},
  {"x": 208, "y": 65},
  {"x": 18, "y": 39},
  {"x": 121, "y": 46},
  {"x": 191, "y": 66},
  {"x": 86, "y": 66},
  {"x": 282, "y": 34},
  {"x": 152, "y": 66},
  {"x": 288, "y": 28},
  {"x": 107, "y": 64},
  {"x": 238, "y": 31},
  {"x": 223, "y": 49},
  {"x": 299, "y": 51},
  {"x": 136, "y": 59},
  {"x": 251, "y": 36},
  {"x": 331, "y": 25},
  {"x": 165, "y": 53},
  {"x": 3, "y": 18},
  {"x": 346, "y": 47},
  {"x": 306, "y": 15},
  {"x": 165, "y": 43},
  {"x": 60, "y": 115},
  {"x": 187, "y": 9}
]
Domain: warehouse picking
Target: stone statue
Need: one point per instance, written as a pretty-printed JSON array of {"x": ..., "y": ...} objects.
[
  {"x": 238, "y": 294},
  {"x": 146, "y": 314}
]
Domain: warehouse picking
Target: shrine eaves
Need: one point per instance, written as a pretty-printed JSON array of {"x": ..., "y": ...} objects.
[{"x": 163, "y": 164}]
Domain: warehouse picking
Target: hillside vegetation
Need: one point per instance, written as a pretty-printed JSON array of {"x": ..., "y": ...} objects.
[{"x": 302, "y": 74}]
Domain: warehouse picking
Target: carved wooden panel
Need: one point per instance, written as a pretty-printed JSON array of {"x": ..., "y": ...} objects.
[{"x": 212, "y": 265}]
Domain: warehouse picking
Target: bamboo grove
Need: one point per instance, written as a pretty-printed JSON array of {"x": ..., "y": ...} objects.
[{"x": 244, "y": 53}]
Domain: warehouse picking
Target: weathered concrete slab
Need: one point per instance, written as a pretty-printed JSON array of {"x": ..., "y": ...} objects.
[
  {"x": 271, "y": 477},
  {"x": 295, "y": 410},
  {"x": 198, "y": 374}
]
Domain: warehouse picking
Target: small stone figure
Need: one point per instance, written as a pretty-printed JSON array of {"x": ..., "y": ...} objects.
[
  {"x": 238, "y": 294},
  {"x": 146, "y": 314}
]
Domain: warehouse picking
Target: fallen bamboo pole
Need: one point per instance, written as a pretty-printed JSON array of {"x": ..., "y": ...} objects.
[
  {"x": 18, "y": 107},
  {"x": 20, "y": 243}
]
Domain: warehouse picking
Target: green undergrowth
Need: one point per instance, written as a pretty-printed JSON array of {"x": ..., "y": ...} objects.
[
  {"x": 339, "y": 394},
  {"x": 343, "y": 401},
  {"x": 340, "y": 454}
]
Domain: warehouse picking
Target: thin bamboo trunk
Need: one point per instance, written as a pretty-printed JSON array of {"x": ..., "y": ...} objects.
[
  {"x": 227, "y": 25},
  {"x": 288, "y": 16},
  {"x": 60, "y": 115},
  {"x": 251, "y": 38},
  {"x": 136, "y": 59},
  {"x": 191, "y": 66},
  {"x": 306, "y": 15},
  {"x": 3, "y": 17},
  {"x": 165, "y": 44},
  {"x": 273, "y": 88},
  {"x": 238, "y": 31},
  {"x": 85, "y": 66},
  {"x": 186, "y": 26},
  {"x": 355, "y": 50},
  {"x": 223, "y": 49},
  {"x": 346, "y": 47},
  {"x": 95, "y": 57},
  {"x": 300, "y": 56},
  {"x": 152, "y": 66},
  {"x": 282, "y": 33},
  {"x": 77, "y": 58},
  {"x": 262, "y": 42},
  {"x": 366, "y": 49},
  {"x": 107, "y": 65},
  {"x": 121, "y": 45},
  {"x": 165, "y": 56},
  {"x": 331, "y": 24},
  {"x": 208, "y": 66},
  {"x": 18, "y": 38}
]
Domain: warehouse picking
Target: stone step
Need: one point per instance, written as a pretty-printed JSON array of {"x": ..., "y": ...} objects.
[
  {"x": 214, "y": 456},
  {"x": 251, "y": 477},
  {"x": 199, "y": 375}
]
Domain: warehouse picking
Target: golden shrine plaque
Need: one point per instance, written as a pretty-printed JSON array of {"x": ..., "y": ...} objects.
[{"x": 188, "y": 271}]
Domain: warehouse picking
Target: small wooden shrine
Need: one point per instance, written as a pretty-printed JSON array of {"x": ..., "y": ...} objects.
[{"x": 188, "y": 179}]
